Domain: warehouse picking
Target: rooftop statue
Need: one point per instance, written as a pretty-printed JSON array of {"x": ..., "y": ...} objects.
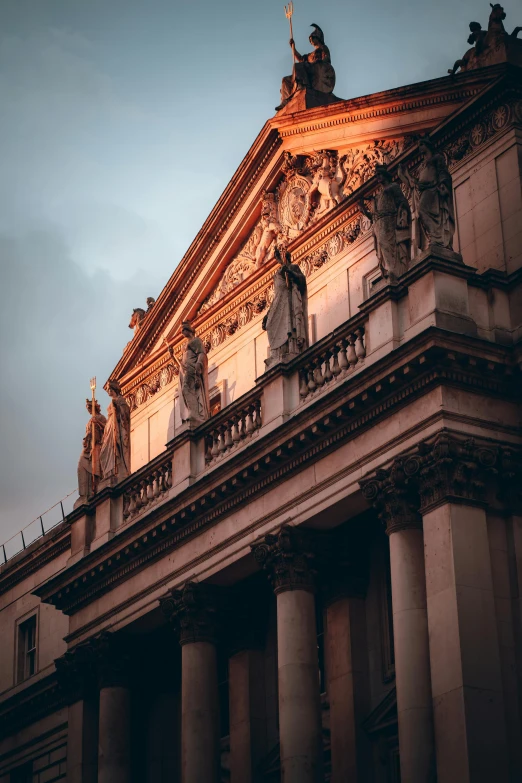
[
  {"x": 193, "y": 378},
  {"x": 433, "y": 198},
  {"x": 138, "y": 314},
  {"x": 313, "y": 70},
  {"x": 89, "y": 471},
  {"x": 115, "y": 447},
  {"x": 286, "y": 322},
  {"x": 490, "y": 46},
  {"x": 391, "y": 223}
]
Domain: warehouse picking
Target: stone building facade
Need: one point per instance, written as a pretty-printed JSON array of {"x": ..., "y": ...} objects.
[{"x": 321, "y": 582}]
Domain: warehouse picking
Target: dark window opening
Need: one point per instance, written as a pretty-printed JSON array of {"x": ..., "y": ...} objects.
[
  {"x": 26, "y": 649},
  {"x": 23, "y": 774}
]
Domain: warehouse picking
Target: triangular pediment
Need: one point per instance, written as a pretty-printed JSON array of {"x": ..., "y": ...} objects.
[{"x": 302, "y": 171}]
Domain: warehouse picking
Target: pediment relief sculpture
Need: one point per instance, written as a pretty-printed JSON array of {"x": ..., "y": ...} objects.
[{"x": 310, "y": 186}]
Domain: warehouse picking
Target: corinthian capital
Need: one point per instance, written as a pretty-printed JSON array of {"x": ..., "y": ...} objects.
[
  {"x": 451, "y": 469},
  {"x": 194, "y": 612},
  {"x": 392, "y": 496},
  {"x": 289, "y": 558}
]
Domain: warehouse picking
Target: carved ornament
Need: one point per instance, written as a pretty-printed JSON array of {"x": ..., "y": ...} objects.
[
  {"x": 194, "y": 612},
  {"x": 289, "y": 557},
  {"x": 389, "y": 493}
]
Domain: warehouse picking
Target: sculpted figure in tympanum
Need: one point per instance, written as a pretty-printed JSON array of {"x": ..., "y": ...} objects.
[
  {"x": 286, "y": 322},
  {"x": 313, "y": 70},
  {"x": 391, "y": 224},
  {"x": 326, "y": 186},
  {"x": 268, "y": 229},
  {"x": 89, "y": 470},
  {"x": 432, "y": 198},
  {"x": 115, "y": 447}
]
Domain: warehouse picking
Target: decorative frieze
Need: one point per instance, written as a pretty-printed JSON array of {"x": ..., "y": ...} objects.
[
  {"x": 289, "y": 557},
  {"x": 194, "y": 611},
  {"x": 482, "y": 130}
]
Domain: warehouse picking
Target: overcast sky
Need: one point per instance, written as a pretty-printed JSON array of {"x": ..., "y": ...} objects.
[{"x": 121, "y": 123}]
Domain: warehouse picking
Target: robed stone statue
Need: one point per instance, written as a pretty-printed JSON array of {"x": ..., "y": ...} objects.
[
  {"x": 313, "y": 70},
  {"x": 433, "y": 198},
  {"x": 115, "y": 447},
  {"x": 89, "y": 471},
  {"x": 391, "y": 224},
  {"x": 286, "y": 322},
  {"x": 193, "y": 378}
]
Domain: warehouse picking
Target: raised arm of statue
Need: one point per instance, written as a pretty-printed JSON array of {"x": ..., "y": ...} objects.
[
  {"x": 298, "y": 57},
  {"x": 515, "y": 32}
]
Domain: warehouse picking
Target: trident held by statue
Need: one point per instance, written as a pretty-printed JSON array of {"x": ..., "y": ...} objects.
[
  {"x": 289, "y": 11},
  {"x": 93, "y": 433}
]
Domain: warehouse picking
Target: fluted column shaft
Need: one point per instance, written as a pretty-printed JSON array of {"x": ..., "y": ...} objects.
[{"x": 288, "y": 558}]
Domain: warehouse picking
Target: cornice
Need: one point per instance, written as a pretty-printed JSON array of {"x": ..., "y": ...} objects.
[
  {"x": 431, "y": 359},
  {"x": 34, "y": 702},
  {"x": 28, "y": 562}
]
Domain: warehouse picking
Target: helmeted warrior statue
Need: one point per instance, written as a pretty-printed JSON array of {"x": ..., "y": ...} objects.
[
  {"x": 286, "y": 322},
  {"x": 89, "y": 471},
  {"x": 193, "y": 378},
  {"x": 433, "y": 198},
  {"x": 313, "y": 70},
  {"x": 115, "y": 447},
  {"x": 391, "y": 224}
]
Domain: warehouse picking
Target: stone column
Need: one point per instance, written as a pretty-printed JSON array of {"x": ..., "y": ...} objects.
[
  {"x": 76, "y": 676},
  {"x": 193, "y": 610},
  {"x": 288, "y": 558},
  {"x": 346, "y": 656},
  {"x": 247, "y": 715},
  {"x": 397, "y": 508},
  {"x": 470, "y": 730},
  {"x": 114, "y": 741}
]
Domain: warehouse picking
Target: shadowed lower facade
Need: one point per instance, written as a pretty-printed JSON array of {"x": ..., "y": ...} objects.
[{"x": 317, "y": 577}]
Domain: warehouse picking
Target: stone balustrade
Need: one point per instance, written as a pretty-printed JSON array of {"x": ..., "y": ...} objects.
[
  {"x": 231, "y": 432},
  {"x": 332, "y": 362},
  {"x": 148, "y": 489}
]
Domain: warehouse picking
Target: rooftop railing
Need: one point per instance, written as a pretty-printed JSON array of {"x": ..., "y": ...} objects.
[{"x": 41, "y": 525}]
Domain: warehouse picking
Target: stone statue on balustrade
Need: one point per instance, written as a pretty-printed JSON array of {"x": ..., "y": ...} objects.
[
  {"x": 286, "y": 322},
  {"x": 490, "y": 46},
  {"x": 390, "y": 216},
  {"x": 115, "y": 447},
  {"x": 193, "y": 378},
  {"x": 89, "y": 470},
  {"x": 432, "y": 198},
  {"x": 313, "y": 71}
]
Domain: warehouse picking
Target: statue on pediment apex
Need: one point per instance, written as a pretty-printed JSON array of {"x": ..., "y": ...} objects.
[
  {"x": 390, "y": 216},
  {"x": 115, "y": 447},
  {"x": 432, "y": 188},
  {"x": 286, "y": 322},
  {"x": 490, "y": 46},
  {"x": 313, "y": 70},
  {"x": 89, "y": 471}
]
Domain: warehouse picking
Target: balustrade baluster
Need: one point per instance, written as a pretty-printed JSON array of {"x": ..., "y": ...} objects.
[
  {"x": 167, "y": 479},
  {"x": 259, "y": 420},
  {"x": 351, "y": 355},
  {"x": 318, "y": 373},
  {"x": 360, "y": 349},
  {"x": 311, "y": 383},
  {"x": 215, "y": 443},
  {"x": 249, "y": 421},
  {"x": 156, "y": 478},
  {"x": 343, "y": 359},
  {"x": 335, "y": 364},
  {"x": 242, "y": 419},
  {"x": 222, "y": 444},
  {"x": 327, "y": 369},
  {"x": 236, "y": 437},
  {"x": 228, "y": 435},
  {"x": 149, "y": 488}
]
